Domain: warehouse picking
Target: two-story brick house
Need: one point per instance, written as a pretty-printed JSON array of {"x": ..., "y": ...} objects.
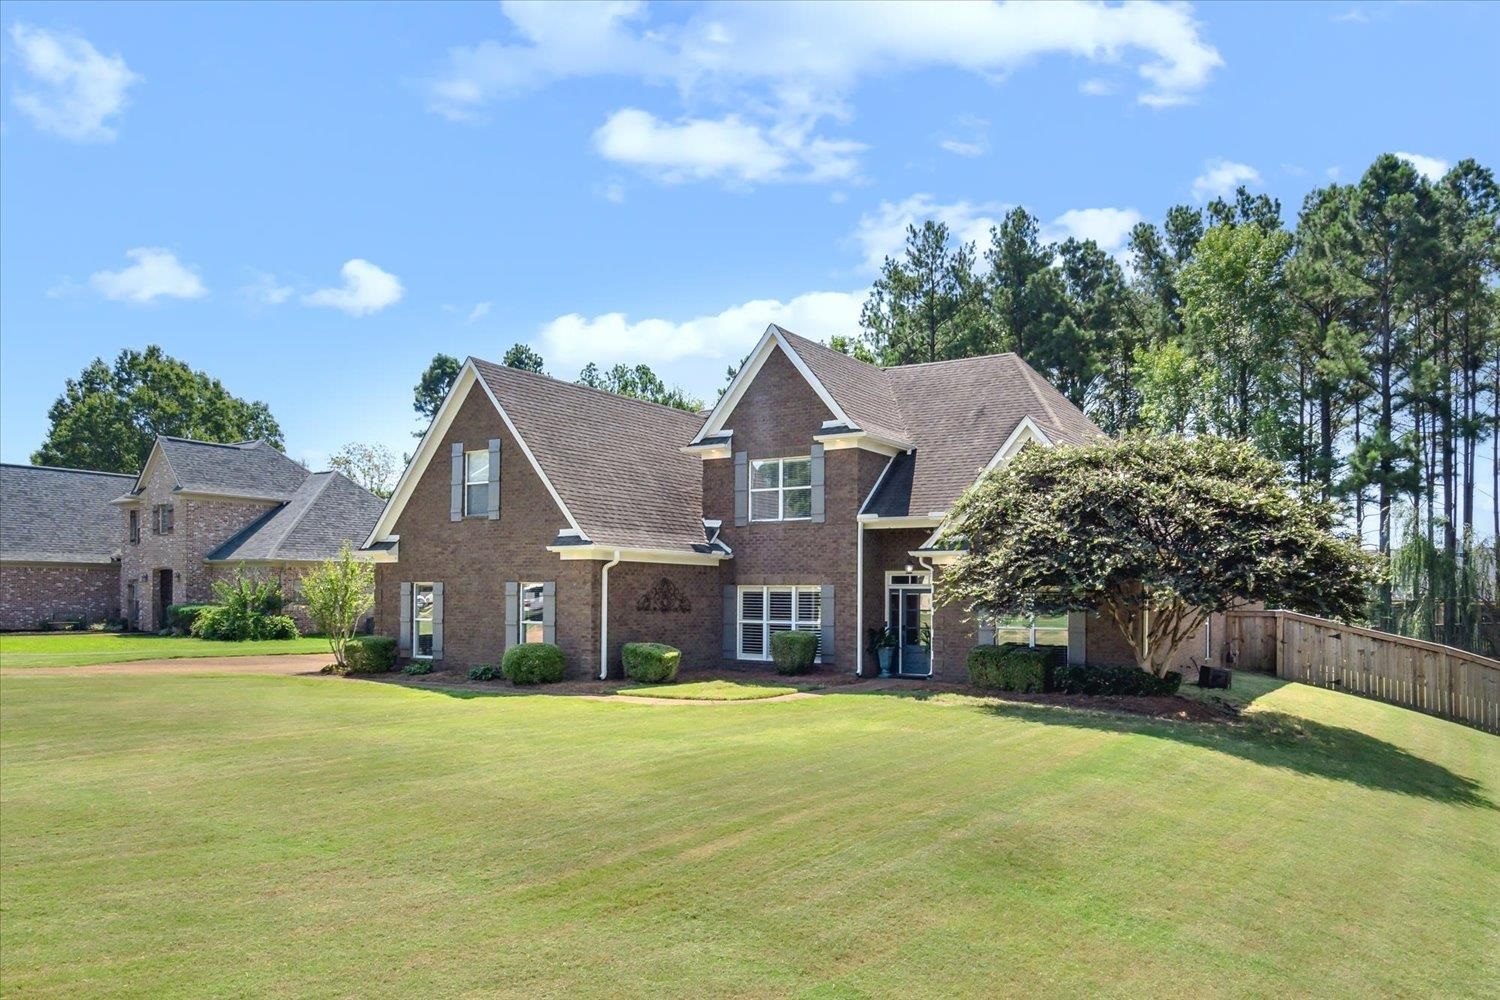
[{"x": 808, "y": 498}]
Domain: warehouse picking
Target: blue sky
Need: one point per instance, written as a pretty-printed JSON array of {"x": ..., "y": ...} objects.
[{"x": 309, "y": 201}]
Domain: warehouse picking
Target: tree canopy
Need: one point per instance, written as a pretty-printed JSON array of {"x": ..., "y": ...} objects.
[
  {"x": 1154, "y": 534},
  {"x": 110, "y": 415},
  {"x": 432, "y": 388},
  {"x": 637, "y": 381}
]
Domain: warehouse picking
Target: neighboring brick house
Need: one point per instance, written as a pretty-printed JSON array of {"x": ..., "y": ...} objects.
[
  {"x": 97, "y": 545},
  {"x": 809, "y": 497},
  {"x": 59, "y": 545}
]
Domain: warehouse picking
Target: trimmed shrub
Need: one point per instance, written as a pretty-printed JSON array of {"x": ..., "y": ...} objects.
[
  {"x": 370, "y": 654},
  {"x": 533, "y": 663},
  {"x": 650, "y": 662},
  {"x": 277, "y": 627},
  {"x": 417, "y": 668},
  {"x": 228, "y": 624},
  {"x": 794, "y": 652},
  {"x": 485, "y": 673},
  {"x": 1008, "y": 667},
  {"x": 1098, "y": 680},
  {"x": 182, "y": 616}
]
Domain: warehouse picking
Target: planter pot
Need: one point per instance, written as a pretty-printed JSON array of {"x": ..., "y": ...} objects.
[{"x": 885, "y": 656}]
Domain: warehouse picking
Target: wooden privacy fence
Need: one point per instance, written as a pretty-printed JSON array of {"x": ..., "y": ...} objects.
[{"x": 1440, "y": 680}]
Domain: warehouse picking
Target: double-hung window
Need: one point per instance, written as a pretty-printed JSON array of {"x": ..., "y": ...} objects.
[
  {"x": 421, "y": 620},
  {"x": 781, "y": 489},
  {"x": 532, "y": 620},
  {"x": 476, "y": 483},
  {"x": 764, "y": 610},
  {"x": 135, "y": 527},
  {"x": 162, "y": 518}
]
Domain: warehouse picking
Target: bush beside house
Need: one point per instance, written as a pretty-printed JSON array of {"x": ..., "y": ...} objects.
[
  {"x": 533, "y": 663},
  {"x": 794, "y": 652},
  {"x": 1008, "y": 667},
  {"x": 370, "y": 654},
  {"x": 651, "y": 662}
]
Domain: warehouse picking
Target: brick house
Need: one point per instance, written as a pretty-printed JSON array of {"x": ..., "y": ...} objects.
[
  {"x": 98, "y": 545},
  {"x": 808, "y": 498}
]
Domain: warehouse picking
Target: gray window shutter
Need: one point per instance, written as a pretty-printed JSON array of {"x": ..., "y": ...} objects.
[
  {"x": 731, "y": 622},
  {"x": 494, "y": 479},
  {"x": 456, "y": 499},
  {"x": 403, "y": 641},
  {"x": 826, "y": 646},
  {"x": 512, "y": 612},
  {"x": 986, "y": 633},
  {"x": 741, "y": 488},
  {"x": 437, "y": 621},
  {"x": 549, "y": 613},
  {"x": 1077, "y": 637},
  {"x": 817, "y": 485}
]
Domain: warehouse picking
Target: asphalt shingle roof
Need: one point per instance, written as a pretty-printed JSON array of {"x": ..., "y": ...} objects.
[
  {"x": 247, "y": 468},
  {"x": 59, "y": 515},
  {"x": 861, "y": 389},
  {"x": 326, "y": 511},
  {"x": 615, "y": 461}
]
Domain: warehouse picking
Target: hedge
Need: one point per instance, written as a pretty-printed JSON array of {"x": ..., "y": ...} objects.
[
  {"x": 370, "y": 654},
  {"x": 650, "y": 662},
  {"x": 182, "y": 616},
  {"x": 794, "y": 652},
  {"x": 484, "y": 673},
  {"x": 1008, "y": 667},
  {"x": 533, "y": 663},
  {"x": 1089, "y": 679}
]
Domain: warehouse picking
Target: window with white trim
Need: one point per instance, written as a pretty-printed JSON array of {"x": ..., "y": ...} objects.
[
  {"x": 781, "y": 489},
  {"x": 477, "y": 483},
  {"x": 421, "y": 620},
  {"x": 530, "y": 620},
  {"x": 764, "y": 610}
]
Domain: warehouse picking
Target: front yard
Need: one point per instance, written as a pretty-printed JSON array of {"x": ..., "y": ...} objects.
[
  {"x": 189, "y": 836},
  {"x": 78, "y": 649}
]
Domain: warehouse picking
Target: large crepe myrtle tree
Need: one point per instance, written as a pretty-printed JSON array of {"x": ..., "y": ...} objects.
[{"x": 1154, "y": 534}]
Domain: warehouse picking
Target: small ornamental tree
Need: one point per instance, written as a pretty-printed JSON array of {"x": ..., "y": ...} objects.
[
  {"x": 338, "y": 593},
  {"x": 1153, "y": 533}
]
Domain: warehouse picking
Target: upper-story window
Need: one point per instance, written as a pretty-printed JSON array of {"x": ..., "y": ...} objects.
[
  {"x": 135, "y": 526},
  {"x": 162, "y": 517},
  {"x": 476, "y": 483},
  {"x": 781, "y": 489}
]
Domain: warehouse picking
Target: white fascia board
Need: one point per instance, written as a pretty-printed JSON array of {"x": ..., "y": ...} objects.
[
  {"x": 671, "y": 557},
  {"x": 1026, "y": 431},
  {"x": 875, "y": 521},
  {"x": 938, "y": 556},
  {"x": 769, "y": 341},
  {"x": 862, "y": 439}
]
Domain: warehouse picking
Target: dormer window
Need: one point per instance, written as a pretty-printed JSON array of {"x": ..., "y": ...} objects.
[{"x": 781, "y": 489}]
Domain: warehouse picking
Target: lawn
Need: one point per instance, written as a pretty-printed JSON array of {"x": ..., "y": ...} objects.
[
  {"x": 77, "y": 649},
  {"x": 248, "y": 835},
  {"x": 711, "y": 691}
]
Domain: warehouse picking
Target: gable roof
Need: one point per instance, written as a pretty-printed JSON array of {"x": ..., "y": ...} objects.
[
  {"x": 326, "y": 511},
  {"x": 58, "y": 515},
  {"x": 613, "y": 461},
  {"x": 863, "y": 391},
  {"x": 244, "y": 468}
]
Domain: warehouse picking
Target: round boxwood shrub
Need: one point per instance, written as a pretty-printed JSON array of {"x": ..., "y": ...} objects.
[
  {"x": 650, "y": 662},
  {"x": 370, "y": 654},
  {"x": 794, "y": 652},
  {"x": 1008, "y": 667},
  {"x": 533, "y": 663},
  {"x": 277, "y": 627}
]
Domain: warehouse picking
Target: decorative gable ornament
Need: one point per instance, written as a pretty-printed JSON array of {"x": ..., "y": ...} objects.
[{"x": 665, "y": 598}]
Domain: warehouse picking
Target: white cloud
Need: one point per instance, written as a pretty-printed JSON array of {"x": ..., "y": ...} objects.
[
  {"x": 154, "y": 273},
  {"x": 1352, "y": 16},
  {"x": 479, "y": 312},
  {"x": 782, "y": 69},
  {"x": 611, "y": 337},
  {"x": 1096, "y": 87},
  {"x": 74, "y": 90},
  {"x": 971, "y": 137},
  {"x": 366, "y": 289},
  {"x": 1108, "y": 227},
  {"x": 882, "y": 233},
  {"x": 1429, "y": 167},
  {"x": 265, "y": 290},
  {"x": 1221, "y": 177}
]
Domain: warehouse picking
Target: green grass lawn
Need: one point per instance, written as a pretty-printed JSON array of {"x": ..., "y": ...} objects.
[
  {"x": 711, "y": 691},
  {"x": 251, "y": 836},
  {"x": 77, "y": 649}
]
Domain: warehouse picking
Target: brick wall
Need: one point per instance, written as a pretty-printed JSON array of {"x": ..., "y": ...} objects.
[
  {"x": 636, "y": 614},
  {"x": 31, "y": 592},
  {"x": 475, "y": 557}
]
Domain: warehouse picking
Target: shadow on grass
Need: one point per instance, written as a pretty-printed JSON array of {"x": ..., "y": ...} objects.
[{"x": 1279, "y": 740}]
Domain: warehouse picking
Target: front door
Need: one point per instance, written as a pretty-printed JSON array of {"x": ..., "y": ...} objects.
[
  {"x": 909, "y": 615},
  {"x": 164, "y": 587}
]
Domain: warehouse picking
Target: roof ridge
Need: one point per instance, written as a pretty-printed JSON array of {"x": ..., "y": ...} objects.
[
  {"x": 1030, "y": 375},
  {"x": 238, "y": 445},
  {"x": 951, "y": 361},
  {"x": 579, "y": 385},
  {"x": 306, "y": 508},
  {"x": 65, "y": 468}
]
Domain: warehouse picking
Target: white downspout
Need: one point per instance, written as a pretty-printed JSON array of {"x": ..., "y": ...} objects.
[
  {"x": 859, "y": 598},
  {"x": 604, "y": 616}
]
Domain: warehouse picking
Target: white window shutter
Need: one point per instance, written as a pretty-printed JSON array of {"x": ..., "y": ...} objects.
[
  {"x": 512, "y": 612},
  {"x": 437, "y": 621},
  {"x": 403, "y": 641},
  {"x": 816, "y": 469},
  {"x": 494, "y": 479},
  {"x": 456, "y": 499},
  {"x": 741, "y": 488},
  {"x": 549, "y": 612}
]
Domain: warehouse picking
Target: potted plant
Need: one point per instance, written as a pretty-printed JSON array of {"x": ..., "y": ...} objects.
[{"x": 882, "y": 645}]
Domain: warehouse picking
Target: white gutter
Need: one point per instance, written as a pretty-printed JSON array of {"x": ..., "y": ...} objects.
[
  {"x": 604, "y": 616},
  {"x": 859, "y": 598}
]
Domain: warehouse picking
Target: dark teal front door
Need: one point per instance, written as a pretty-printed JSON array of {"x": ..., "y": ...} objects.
[{"x": 909, "y": 614}]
